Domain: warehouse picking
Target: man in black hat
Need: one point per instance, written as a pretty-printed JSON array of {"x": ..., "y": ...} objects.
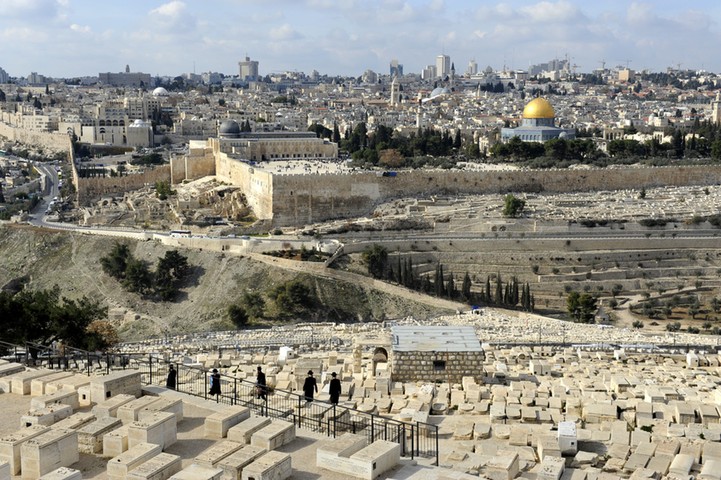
[
  {"x": 309, "y": 386},
  {"x": 260, "y": 383},
  {"x": 334, "y": 389}
]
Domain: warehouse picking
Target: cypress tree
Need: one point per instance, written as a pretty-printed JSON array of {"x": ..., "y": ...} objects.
[{"x": 466, "y": 288}]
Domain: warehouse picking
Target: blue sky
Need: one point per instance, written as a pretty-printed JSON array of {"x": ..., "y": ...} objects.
[{"x": 346, "y": 37}]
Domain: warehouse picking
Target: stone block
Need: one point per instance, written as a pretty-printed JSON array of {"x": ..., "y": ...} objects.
[
  {"x": 160, "y": 467},
  {"x": 119, "y": 382},
  {"x": 197, "y": 472},
  {"x": 211, "y": 456},
  {"x": 64, "y": 397},
  {"x": 75, "y": 421},
  {"x": 10, "y": 445},
  {"x": 5, "y": 471},
  {"x": 46, "y": 416},
  {"x": 244, "y": 431},
  {"x": 129, "y": 412},
  {"x": 660, "y": 463},
  {"x": 269, "y": 466},
  {"x": 165, "y": 404},
  {"x": 109, "y": 407},
  {"x": 63, "y": 473},
  {"x": 115, "y": 442},
  {"x": 48, "y": 451},
  {"x": 20, "y": 383},
  {"x": 90, "y": 437},
  {"x": 273, "y": 436},
  {"x": 37, "y": 385},
  {"x": 217, "y": 424},
  {"x": 234, "y": 464},
  {"x": 153, "y": 427},
  {"x": 119, "y": 467},
  {"x": 72, "y": 382}
]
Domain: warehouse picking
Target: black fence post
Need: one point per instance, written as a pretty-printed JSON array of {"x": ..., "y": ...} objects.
[
  {"x": 150, "y": 369},
  {"x": 235, "y": 391},
  {"x": 437, "y": 452},
  {"x": 373, "y": 429},
  {"x": 88, "y": 362}
]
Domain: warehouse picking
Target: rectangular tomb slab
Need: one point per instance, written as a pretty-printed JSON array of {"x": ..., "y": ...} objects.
[
  {"x": 129, "y": 411},
  {"x": 234, "y": 464},
  {"x": 75, "y": 421},
  {"x": 211, "y": 456},
  {"x": 197, "y": 472},
  {"x": 119, "y": 467},
  {"x": 21, "y": 382},
  {"x": 275, "y": 435},
  {"x": 115, "y": 442},
  {"x": 90, "y": 437},
  {"x": 160, "y": 467},
  {"x": 270, "y": 466},
  {"x": 164, "y": 404},
  {"x": 46, "y": 416},
  {"x": 122, "y": 381},
  {"x": 10, "y": 445},
  {"x": 217, "y": 424},
  {"x": 109, "y": 407},
  {"x": 5, "y": 471},
  {"x": 244, "y": 431},
  {"x": 49, "y": 451},
  {"x": 157, "y": 427},
  {"x": 37, "y": 385},
  {"x": 64, "y": 396},
  {"x": 63, "y": 473}
]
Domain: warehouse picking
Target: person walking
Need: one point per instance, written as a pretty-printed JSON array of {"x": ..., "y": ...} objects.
[
  {"x": 214, "y": 383},
  {"x": 261, "y": 386},
  {"x": 309, "y": 386},
  {"x": 334, "y": 389},
  {"x": 172, "y": 376}
]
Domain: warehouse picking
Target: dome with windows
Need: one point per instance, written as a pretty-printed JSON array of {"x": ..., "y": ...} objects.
[{"x": 539, "y": 108}]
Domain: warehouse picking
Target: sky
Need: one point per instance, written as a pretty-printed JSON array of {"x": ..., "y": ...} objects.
[{"x": 69, "y": 38}]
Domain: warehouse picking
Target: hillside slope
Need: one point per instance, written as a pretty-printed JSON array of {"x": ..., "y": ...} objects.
[{"x": 72, "y": 261}]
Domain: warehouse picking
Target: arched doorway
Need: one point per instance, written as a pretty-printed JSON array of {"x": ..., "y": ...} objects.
[{"x": 380, "y": 356}]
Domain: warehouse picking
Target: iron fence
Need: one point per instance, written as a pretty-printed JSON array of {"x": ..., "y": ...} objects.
[{"x": 417, "y": 439}]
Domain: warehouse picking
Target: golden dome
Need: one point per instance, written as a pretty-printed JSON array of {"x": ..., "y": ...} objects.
[{"x": 539, "y": 108}]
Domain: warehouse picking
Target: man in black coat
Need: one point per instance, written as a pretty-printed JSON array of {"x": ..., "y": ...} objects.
[
  {"x": 334, "y": 389},
  {"x": 309, "y": 386},
  {"x": 261, "y": 386}
]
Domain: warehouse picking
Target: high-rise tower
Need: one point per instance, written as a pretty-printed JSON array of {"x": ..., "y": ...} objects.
[
  {"x": 248, "y": 69},
  {"x": 443, "y": 65}
]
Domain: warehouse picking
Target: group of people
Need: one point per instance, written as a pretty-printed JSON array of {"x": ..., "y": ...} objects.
[{"x": 310, "y": 385}]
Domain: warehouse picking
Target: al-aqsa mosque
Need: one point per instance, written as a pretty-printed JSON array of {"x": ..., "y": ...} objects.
[{"x": 538, "y": 124}]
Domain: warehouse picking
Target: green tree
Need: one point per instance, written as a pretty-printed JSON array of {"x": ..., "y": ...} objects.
[
  {"x": 292, "y": 297},
  {"x": 237, "y": 315},
  {"x": 172, "y": 268},
  {"x": 581, "y": 307},
  {"x": 512, "y": 206},
  {"x": 254, "y": 304},
  {"x": 42, "y": 316},
  {"x": 376, "y": 259},
  {"x": 466, "y": 288},
  {"x": 138, "y": 277},
  {"x": 163, "y": 189},
  {"x": 116, "y": 262}
]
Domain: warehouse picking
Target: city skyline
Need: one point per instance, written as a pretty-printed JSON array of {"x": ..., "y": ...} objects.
[{"x": 70, "y": 38}]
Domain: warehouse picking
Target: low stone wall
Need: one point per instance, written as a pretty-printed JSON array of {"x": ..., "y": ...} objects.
[
  {"x": 410, "y": 366},
  {"x": 95, "y": 187}
]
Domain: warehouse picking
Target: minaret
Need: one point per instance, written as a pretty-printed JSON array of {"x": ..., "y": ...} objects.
[
  {"x": 716, "y": 109},
  {"x": 453, "y": 73},
  {"x": 394, "y": 92}
]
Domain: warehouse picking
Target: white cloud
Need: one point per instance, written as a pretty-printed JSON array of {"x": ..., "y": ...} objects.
[
  {"x": 550, "y": 12},
  {"x": 284, "y": 33},
  {"x": 172, "y": 9},
  {"x": 80, "y": 28}
]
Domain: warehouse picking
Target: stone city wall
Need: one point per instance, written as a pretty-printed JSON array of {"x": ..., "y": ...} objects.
[
  {"x": 257, "y": 185},
  {"x": 300, "y": 199},
  {"x": 190, "y": 167},
  {"x": 95, "y": 187},
  {"x": 54, "y": 141},
  {"x": 412, "y": 366}
]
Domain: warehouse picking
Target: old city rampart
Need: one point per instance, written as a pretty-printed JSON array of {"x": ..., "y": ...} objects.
[{"x": 305, "y": 198}]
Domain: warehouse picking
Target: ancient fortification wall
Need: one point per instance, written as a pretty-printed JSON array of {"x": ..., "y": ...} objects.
[
  {"x": 54, "y": 141},
  {"x": 299, "y": 199},
  {"x": 192, "y": 167},
  {"x": 96, "y": 187},
  {"x": 257, "y": 185}
]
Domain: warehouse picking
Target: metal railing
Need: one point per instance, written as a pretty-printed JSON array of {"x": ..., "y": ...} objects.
[{"x": 416, "y": 439}]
